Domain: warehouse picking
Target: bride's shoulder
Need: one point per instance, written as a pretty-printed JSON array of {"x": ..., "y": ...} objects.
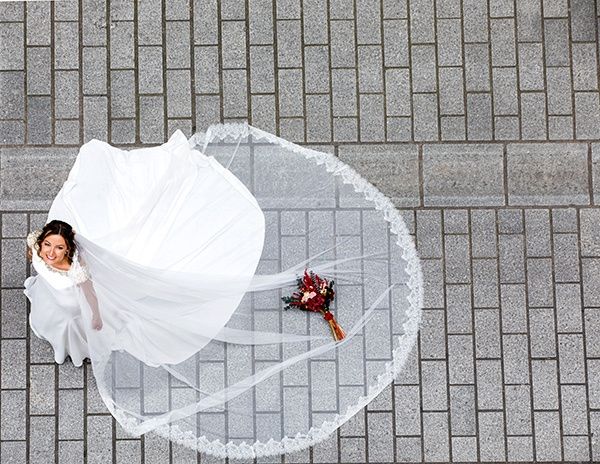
[{"x": 78, "y": 271}]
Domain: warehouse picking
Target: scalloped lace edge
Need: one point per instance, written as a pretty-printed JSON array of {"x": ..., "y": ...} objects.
[{"x": 400, "y": 354}]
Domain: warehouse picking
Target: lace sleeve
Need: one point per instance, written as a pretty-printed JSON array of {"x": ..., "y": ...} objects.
[{"x": 78, "y": 272}]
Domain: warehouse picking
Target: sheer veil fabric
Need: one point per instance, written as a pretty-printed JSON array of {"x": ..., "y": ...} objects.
[{"x": 190, "y": 247}]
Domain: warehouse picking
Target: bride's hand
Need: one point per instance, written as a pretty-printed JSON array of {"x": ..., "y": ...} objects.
[{"x": 96, "y": 322}]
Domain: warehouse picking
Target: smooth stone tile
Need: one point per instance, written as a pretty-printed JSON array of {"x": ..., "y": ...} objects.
[
  {"x": 547, "y": 174},
  {"x": 463, "y": 175}
]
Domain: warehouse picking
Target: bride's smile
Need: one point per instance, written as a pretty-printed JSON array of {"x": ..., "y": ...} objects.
[{"x": 54, "y": 252}]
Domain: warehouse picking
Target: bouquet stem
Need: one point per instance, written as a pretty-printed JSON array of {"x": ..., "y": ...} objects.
[{"x": 337, "y": 332}]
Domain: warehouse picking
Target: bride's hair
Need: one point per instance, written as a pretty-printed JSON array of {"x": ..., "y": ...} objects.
[{"x": 63, "y": 229}]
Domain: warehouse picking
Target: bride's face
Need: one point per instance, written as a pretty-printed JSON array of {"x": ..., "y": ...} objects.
[{"x": 54, "y": 250}]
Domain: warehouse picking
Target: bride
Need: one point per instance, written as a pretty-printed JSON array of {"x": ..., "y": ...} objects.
[{"x": 165, "y": 266}]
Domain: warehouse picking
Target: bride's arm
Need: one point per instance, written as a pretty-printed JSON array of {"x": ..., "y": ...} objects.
[{"x": 90, "y": 295}]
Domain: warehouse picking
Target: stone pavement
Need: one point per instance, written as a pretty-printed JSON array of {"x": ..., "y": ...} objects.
[{"x": 479, "y": 119}]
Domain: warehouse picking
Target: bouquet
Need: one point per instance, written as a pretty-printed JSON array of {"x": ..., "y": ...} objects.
[{"x": 315, "y": 294}]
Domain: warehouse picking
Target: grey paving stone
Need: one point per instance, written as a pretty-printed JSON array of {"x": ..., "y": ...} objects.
[
  {"x": 318, "y": 118},
  {"x": 178, "y": 44},
  {"x": 408, "y": 449},
  {"x": 292, "y": 129},
  {"x": 123, "y": 131},
  {"x": 506, "y": 128},
  {"x": 395, "y": 43},
  {"x": 262, "y": 78},
  {"x": 407, "y": 408},
  {"x": 432, "y": 343},
  {"x": 338, "y": 9},
  {"x": 122, "y": 10},
  {"x": 573, "y": 400},
  {"x": 487, "y": 333},
  {"x": 372, "y": 118},
  {"x": 479, "y": 117},
  {"x": 42, "y": 389},
  {"x": 459, "y": 309},
  {"x": 456, "y": 221},
  {"x": 13, "y": 265},
  {"x": 502, "y": 35},
  {"x": 14, "y": 225},
  {"x": 93, "y": 27},
  {"x": 395, "y": 173},
  {"x": 316, "y": 28},
  {"x": 316, "y": 69},
  {"x": 14, "y": 370},
  {"x": 512, "y": 266},
  {"x": 38, "y": 71},
  {"x": 206, "y": 73},
  {"x": 542, "y": 333},
  {"x": 99, "y": 438},
  {"x": 370, "y": 64},
  {"x": 123, "y": 94},
  {"x": 460, "y": 360},
  {"x": 429, "y": 233},
  {"x": 263, "y": 112},
  {"x": 233, "y": 37},
  {"x": 343, "y": 44},
  {"x": 568, "y": 308},
  {"x": 475, "y": 21},
  {"x": 595, "y": 421},
  {"x": 582, "y": 21},
  {"x": 451, "y": 91},
  {"x": 39, "y": 120},
  {"x": 556, "y": 42},
  {"x": 464, "y": 449},
  {"x": 398, "y": 95},
  {"x": 491, "y": 436},
  {"x": 95, "y": 118},
  {"x": 453, "y": 128},
  {"x": 477, "y": 68},
  {"x": 587, "y": 114},
  {"x": 545, "y": 384},
  {"x": 592, "y": 333},
  {"x": 528, "y": 166},
  {"x": 489, "y": 384},
  {"x": 547, "y": 436},
  {"x": 13, "y": 452},
  {"x": 556, "y": 8},
  {"x": 506, "y": 100},
  {"x": 399, "y": 129},
  {"x": 13, "y": 417},
  {"x": 65, "y": 55},
  {"x": 448, "y": 8},
  {"x": 425, "y": 114},
  {"x": 531, "y": 66},
  {"x": 434, "y": 389},
  {"x": 435, "y": 436},
  {"x": 450, "y": 49},
  {"x": 70, "y": 452},
  {"x": 12, "y": 101},
  {"x": 13, "y": 132},
  {"x": 289, "y": 51},
  {"x": 485, "y": 283},
  {"x": 537, "y": 232},
  {"x": 462, "y": 175},
  {"x": 566, "y": 258},
  {"x": 483, "y": 237},
  {"x": 518, "y": 410},
  {"x": 558, "y": 81},
  {"x": 150, "y": 70},
  {"x": 206, "y": 22},
  {"x": 345, "y": 129},
  {"x": 590, "y": 275},
  {"x": 12, "y": 55},
  {"x": 593, "y": 373},
  {"x": 529, "y": 21},
  {"x": 533, "y": 117},
  {"x": 70, "y": 414},
  {"x": 585, "y": 76},
  {"x": 457, "y": 263},
  {"x": 515, "y": 359},
  {"x": 66, "y": 132},
  {"x": 576, "y": 448},
  {"x": 520, "y": 448},
  {"x": 560, "y": 127},
  {"x": 462, "y": 410},
  {"x": 41, "y": 445},
  {"x": 232, "y": 10},
  {"x": 151, "y": 119},
  {"x": 11, "y": 11},
  {"x": 514, "y": 308},
  {"x": 260, "y": 20},
  {"x": 564, "y": 220},
  {"x": 539, "y": 282},
  {"x": 572, "y": 362},
  {"x": 179, "y": 93},
  {"x": 510, "y": 221},
  {"x": 422, "y": 28},
  {"x": 290, "y": 97},
  {"x": 502, "y": 8},
  {"x": 66, "y": 88},
  {"x": 122, "y": 53},
  {"x": 379, "y": 424},
  {"x": 94, "y": 70}
]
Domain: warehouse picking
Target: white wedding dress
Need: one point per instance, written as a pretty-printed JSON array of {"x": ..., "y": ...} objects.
[{"x": 189, "y": 262}]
